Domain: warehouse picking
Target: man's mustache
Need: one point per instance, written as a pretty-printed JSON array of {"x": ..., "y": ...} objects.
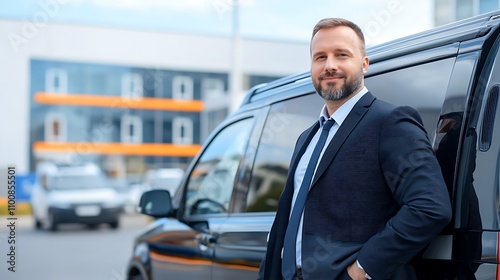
[{"x": 331, "y": 75}]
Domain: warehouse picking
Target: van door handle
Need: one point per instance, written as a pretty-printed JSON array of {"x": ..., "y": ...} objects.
[{"x": 206, "y": 238}]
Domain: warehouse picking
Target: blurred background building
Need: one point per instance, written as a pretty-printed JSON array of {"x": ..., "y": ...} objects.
[
  {"x": 129, "y": 100},
  {"x": 447, "y": 11}
]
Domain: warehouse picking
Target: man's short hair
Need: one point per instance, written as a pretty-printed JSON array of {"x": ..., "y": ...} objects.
[{"x": 336, "y": 22}]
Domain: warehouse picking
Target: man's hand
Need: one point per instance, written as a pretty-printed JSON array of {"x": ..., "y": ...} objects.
[{"x": 355, "y": 272}]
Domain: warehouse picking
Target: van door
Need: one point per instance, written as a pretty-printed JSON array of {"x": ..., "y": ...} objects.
[
  {"x": 186, "y": 250},
  {"x": 242, "y": 239},
  {"x": 477, "y": 222}
]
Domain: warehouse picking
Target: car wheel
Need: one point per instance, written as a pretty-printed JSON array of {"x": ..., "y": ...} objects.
[
  {"x": 92, "y": 226},
  {"x": 114, "y": 224},
  {"x": 135, "y": 275},
  {"x": 52, "y": 222},
  {"x": 38, "y": 224}
]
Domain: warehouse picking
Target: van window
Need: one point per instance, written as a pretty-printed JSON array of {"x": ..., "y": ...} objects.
[
  {"x": 283, "y": 126},
  {"x": 211, "y": 182},
  {"x": 422, "y": 87}
]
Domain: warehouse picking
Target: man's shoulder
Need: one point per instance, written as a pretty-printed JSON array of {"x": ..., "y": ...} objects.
[
  {"x": 383, "y": 105},
  {"x": 385, "y": 112},
  {"x": 386, "y": 108}
]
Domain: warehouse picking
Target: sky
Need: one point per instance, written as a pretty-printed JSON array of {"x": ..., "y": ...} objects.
[{"x": 284, "y": 20}]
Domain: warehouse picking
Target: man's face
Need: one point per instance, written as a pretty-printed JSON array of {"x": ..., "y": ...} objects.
[{"x": 337, "y": 63}]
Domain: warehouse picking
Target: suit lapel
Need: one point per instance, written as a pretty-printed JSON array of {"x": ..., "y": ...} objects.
[{"x": 352, "y": 120}]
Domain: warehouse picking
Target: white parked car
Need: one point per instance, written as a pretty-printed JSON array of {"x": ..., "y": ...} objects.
[{"x": 74, "y": 194}]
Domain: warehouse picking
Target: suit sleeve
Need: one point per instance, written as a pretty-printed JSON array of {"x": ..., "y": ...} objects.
[{"x": 412, "y": 173}]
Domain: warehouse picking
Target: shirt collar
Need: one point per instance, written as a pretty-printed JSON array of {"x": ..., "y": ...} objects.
[{"x": 341, "y": 114}]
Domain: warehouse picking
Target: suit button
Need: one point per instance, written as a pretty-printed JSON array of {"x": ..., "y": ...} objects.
[{"x": 388, "y": 276}]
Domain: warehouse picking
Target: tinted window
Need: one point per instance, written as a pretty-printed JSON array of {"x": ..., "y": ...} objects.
[
  {"x": 422, "y": 87},
  {"x": 212, "y": 179},
  {"x": 283, "y": 126}
]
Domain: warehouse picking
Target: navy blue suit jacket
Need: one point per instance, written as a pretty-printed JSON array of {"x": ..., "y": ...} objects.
[{"x": 378, "y": 196}]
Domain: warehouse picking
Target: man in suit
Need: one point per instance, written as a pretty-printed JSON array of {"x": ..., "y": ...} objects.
[{"x": 376, "y": 196}]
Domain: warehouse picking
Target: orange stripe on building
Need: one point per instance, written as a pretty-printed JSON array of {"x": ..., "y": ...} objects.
[
  {"x": 144, "y": 103},
  {"x": 144, "y": 149}
]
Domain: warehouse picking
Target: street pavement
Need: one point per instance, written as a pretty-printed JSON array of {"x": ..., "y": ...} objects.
[{"x": 74, "y": 252}]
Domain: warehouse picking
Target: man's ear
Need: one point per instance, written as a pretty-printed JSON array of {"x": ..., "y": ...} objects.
[{"x": 366, "y": 63}]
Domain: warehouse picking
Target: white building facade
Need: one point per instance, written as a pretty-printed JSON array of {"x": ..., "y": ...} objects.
[{"x": 122, "y": 97}]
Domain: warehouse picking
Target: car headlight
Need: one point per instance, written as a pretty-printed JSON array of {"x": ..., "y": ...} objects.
[
  {"x": 60, "y": 205},
  {"x": 142, "y": 251}
]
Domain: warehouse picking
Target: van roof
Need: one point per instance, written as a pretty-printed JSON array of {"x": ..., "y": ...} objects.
[{"x": 459, "y": 31}]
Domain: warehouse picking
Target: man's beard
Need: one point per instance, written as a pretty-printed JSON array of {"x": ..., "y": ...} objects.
[{"x": 350, "y": 86}]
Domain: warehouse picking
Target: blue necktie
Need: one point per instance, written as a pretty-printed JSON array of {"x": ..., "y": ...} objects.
[{"x": 288, "y": 266}]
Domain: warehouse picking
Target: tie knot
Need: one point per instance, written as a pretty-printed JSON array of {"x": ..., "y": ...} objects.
[{"x": 328, "y": 124}]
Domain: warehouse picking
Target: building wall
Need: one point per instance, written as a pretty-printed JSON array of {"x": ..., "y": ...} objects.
[
  {"x": 447, "y": 11},
  {"x": 24, "y": 42}
]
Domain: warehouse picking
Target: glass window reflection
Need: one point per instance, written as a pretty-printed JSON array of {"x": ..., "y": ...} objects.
[
  {"x": 283, "y": 126},
  {"x": 211, "y": 181}
]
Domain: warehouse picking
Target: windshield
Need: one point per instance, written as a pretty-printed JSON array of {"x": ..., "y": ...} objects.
[{"x": 78, "y": 182}]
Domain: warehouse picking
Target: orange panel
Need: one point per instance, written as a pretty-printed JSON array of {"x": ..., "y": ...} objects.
[
  {"x": 186, "y": 261},
  {"x": 179, "y": 260},
  {"x": 498, "y": 252},
  {"x": 145, "y": 103},
  {"x": 144, "y": 149}
]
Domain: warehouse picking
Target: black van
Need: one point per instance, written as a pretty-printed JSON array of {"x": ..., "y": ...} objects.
[{"x": 216, "y": 224}]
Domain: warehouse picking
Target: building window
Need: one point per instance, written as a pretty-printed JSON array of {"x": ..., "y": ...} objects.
[
  {"x": 464, "y": 8},
  {"x": 131, "y": 129},
  {"x": 212, "y": 88},
  {"x": 182, "y": 131},
  {"x": 487, "y": 6},
  {"x": 55, "y": 128},
  {"x": 182, "y": 88},
  {"x": 56, "y": 81},
  {"x": 132, "y": 86}
]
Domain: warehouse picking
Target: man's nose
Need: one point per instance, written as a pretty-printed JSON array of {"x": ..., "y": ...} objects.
[{"x": 331, "y": 64}]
